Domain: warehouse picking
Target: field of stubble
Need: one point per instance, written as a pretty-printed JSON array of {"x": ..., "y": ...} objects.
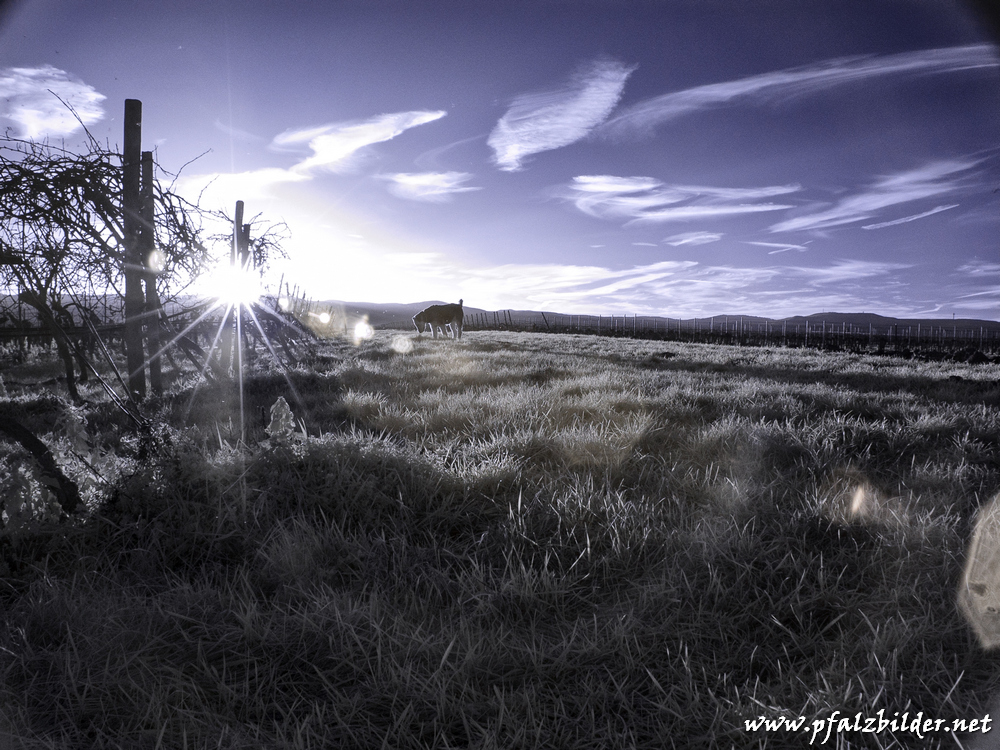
[{"x": 512, "y": 541}]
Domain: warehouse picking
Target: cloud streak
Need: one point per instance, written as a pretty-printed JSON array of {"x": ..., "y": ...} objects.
[
  {"x": 686, "y": 288},
  {"x": 333, "y": 144},
  {"x": 332, "y": 147},
  {"x": 935, "y": 178},
  {"x": 693, "y": 238},
  {"x": 569, "y": 287},
  {"x": 647, "y": 200},
  {"x": 642, "y": 118},
  {"x": 782, "y": 247},
  {"x": 433, "y": 187},
  {"x": 906, "y": 219},
  {"x": 28, "y": 98},
  {"x": 553, "y": 119},
  {"x": 980, "y": 268}
]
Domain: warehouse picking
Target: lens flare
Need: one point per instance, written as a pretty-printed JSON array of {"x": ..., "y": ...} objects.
[
  {"x": 324, "y": 318},
  {"x": 363, "y": 331},
  {"x": 402, "y": 345},
  {"x": 156, "y": 261}
]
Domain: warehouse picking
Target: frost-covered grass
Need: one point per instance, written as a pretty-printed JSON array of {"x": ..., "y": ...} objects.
[{"x": 516, "y": 540}]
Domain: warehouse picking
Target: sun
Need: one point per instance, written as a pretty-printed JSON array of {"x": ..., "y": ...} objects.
[{"x": 233, "y": 285}]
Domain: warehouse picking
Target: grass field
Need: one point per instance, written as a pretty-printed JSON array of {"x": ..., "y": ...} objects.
[{"x": 512, "y": 541}]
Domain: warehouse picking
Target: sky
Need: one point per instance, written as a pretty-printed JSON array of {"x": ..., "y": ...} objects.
[{"x": 670, "y": 157}]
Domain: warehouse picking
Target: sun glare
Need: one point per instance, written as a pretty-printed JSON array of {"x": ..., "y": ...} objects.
[{"x": 234, "y": 285}]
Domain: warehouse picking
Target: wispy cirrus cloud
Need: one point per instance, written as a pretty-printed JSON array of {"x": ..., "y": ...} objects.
[
  {"x": 843, "y": 271},
  {"x": 780, "y": 247},
  {"x": 686, "y": 288},
  {"x": 642, "y": 118},
  {"x": 29, "y": 97},
  {"x": 929, "y": 180},
  {"x": 552, "y": 119},
  {"x": 333, "y": 144},
  {"x": 707, "y": 211},
  {"x": 646, "y": 200},
  {"x": 980, "y": 268},
  {"x": 906, "y": 219},
  {"x": 693, "y": 238},
  {"x": 676, "y": 288},
  {"x": 773, "y": 291},
  {"x": 561, "y": 286},
  {"x": 332, "y": 147},
  {"x": 434, "y": 187}
]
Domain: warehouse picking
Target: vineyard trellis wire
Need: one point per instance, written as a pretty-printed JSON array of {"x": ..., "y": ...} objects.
[{"x": 740, "y": 330}]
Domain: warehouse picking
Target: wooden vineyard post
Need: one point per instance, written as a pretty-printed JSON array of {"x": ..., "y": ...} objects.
[
  {"x": 240, "y": 253},
  {"x": 228, "y": 340},
  {"x": 134, "y": 302},
  {"x": 151, "y": 266},
  {"x": 246, "y": 264}
]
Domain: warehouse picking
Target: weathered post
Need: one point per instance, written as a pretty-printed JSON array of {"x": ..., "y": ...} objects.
[
  {"x": 245, "y": 247},
  {"x": 152, "y": 265},
  {"x": 241, "y": 249},
  {"x": 246, "y": 264},
  {"x": 234, "y": 251},
  {"x": 228, "y": 340},
  {"x": 131, "y": 223}
]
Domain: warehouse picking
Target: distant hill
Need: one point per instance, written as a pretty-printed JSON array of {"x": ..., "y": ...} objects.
[{"x": 400, "y": 315}]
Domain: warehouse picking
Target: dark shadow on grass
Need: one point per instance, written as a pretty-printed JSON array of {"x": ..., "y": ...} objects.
[{"x": 313, "y": 397}]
